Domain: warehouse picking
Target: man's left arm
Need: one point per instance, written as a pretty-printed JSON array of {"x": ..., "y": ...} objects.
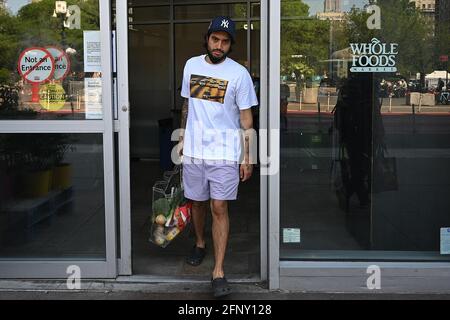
[{"x": 246, "y": 118}]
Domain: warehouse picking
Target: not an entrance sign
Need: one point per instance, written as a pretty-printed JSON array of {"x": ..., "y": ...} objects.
[
  {"x": 62, "y": 62},
  {"x": 36, "y": 65}
]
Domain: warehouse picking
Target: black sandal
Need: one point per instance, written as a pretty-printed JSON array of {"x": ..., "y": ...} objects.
[
  {"x": 220, "y": 287},
  {"x": 196, "y": 256}
]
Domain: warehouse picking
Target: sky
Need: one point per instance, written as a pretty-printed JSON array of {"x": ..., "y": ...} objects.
[
  {"x": 15, "y": 5},
  {"x": 316, "y": 6}
]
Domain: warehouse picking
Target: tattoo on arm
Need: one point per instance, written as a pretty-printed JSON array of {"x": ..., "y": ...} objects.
[
  {"x": 247, "y": 126},
  {"x": 247, "y": 148},
  {"x": 184, "y": 115}
]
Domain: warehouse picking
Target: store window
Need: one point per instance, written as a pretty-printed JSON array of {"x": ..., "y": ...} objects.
[
  {"x": 52, "y": 196},
  {"x": 142, "y": 14},
  {"x": 365, "y": 131},
  {"x": 52, "y": 190},
  {"x": 50, "y": 65}
]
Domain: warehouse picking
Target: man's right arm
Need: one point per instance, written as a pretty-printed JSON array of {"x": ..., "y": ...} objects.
[{"x": 184, "y": 115}]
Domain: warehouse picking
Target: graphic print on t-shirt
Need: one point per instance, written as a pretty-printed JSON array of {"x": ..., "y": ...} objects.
[{"x": 208, "y": 88}]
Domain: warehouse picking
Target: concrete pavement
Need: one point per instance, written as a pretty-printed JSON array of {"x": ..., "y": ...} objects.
[{"x": 200, "y": 290}]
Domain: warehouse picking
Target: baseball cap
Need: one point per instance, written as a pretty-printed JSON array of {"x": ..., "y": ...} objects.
[{"x": 222, "y": 23}]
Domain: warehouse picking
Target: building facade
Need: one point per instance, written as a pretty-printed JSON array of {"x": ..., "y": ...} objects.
[
  {"x": 352, "y": 176},
  {"x": 426, "y": 8},
  {"x": 425, "y": 5},
  {"x": 332, "y": 6}
]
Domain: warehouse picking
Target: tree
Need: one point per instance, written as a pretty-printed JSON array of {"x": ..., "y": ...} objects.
[
  {"x": 442, "y": 44},
  {"x": 8, "y": 47},
  {"x": 401, "y": 23},
  {"x": 304, "y": 41},
  {"x": 404, "y": 24},
  {"x": 34, "y": 26},
  {"x": 50, "y": 30},
  {"x": 353, "y": 29}
]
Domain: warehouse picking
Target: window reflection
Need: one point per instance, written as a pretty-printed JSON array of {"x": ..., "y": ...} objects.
[
  {"x": 364, "y": 138},
  {"x": 50, "y": 66},
  {"x": 51, "y": 196}
]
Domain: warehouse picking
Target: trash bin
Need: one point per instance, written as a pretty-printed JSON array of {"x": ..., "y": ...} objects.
[{"x": 165, "y": 143}]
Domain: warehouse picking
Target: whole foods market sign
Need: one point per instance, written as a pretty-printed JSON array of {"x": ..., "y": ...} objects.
[{"x": 374, "y": 56}]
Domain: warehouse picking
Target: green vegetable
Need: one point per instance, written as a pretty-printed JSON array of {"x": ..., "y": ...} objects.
[
  {"x": 177, "y": 199},
  {"x": 161, "y": 206}
]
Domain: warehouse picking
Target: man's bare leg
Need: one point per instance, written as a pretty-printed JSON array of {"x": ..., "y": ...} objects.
[
  {"x": 220, "y": 228},
  {"x": 198, "y": 219}
]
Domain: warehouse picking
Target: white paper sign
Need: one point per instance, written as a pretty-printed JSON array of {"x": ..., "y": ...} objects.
[
  {"x": 291, "y": 235},
  {"x": 92, "y": 54},
  {"x": 445, "y": 240},
  {"x": 114, "y": 51},
  {"x": 93, "y": 98}
]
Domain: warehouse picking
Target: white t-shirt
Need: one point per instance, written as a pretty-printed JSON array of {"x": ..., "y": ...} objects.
[{"x": 217, "y": 93}]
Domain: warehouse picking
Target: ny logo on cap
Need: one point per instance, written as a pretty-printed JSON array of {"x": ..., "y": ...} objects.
[{"x": 225, "y": 23}]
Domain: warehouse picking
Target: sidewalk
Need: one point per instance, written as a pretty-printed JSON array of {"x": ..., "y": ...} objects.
[
  {"x": 394, "y": 109},
  {"x": 125, "y": 290}
]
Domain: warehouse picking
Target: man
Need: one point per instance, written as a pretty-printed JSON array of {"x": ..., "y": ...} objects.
[
  {"x": 440, "y": 85},
  {"x": 284, "y": 95},
  {"x": 219, "y": 95}
]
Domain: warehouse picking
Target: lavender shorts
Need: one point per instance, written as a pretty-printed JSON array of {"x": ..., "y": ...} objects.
[{"x": 210, "y": 179}]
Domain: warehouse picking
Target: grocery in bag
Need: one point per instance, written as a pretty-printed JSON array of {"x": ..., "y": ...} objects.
[{"x": 171, "y": 211}]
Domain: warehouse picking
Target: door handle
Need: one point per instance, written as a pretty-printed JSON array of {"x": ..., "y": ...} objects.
[{"x": 124, "y": 108}]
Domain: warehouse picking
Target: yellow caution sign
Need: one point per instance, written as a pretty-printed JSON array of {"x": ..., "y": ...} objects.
[{"x": 52, "y": 97}]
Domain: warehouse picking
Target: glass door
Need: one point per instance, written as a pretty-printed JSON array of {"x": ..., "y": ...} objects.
[
  {"x": 160, "y": 37},
  {"x": 57, "y": 209}
]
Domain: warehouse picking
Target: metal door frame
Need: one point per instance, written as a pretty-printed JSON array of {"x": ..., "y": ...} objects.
[
  {"x": 122, "y": 126},
  {"x": 54, "y": 268},
  {"x": 273, "y": 202}
]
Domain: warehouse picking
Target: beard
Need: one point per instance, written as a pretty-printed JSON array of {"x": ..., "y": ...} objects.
[{"x": 214, "y": 59}]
